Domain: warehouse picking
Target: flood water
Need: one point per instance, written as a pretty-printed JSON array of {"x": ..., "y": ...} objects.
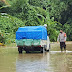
[{"x": 53, "y": 61}]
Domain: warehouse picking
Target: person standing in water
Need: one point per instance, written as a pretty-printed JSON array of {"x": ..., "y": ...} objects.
[{"x": 62, "y": 38}]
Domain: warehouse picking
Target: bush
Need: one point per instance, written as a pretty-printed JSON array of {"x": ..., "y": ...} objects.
[{"x": 8, "y": 26}]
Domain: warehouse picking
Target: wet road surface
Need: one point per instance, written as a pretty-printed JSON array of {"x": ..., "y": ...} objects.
[{"x": 53, "y": 61}]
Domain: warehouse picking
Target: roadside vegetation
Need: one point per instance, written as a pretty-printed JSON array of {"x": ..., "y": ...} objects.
[{"x": 57, "y": 14}]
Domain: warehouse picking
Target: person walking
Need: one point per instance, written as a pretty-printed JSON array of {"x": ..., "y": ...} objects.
[{"x": 62, "y": 38}]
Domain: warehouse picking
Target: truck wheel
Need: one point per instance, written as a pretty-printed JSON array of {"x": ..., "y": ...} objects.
[
  {"x": 20, "y": 50},
  {"x": 47, "y": 50},
  {"x": 41, "y": 51}
]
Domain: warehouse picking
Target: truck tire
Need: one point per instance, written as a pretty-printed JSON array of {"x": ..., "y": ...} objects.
[
  {"x": 48, "y": 49},
  {"x": 20, "y": 50}
]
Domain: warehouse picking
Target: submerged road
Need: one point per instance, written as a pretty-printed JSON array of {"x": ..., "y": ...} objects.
[{"x": 53, "y": 61}]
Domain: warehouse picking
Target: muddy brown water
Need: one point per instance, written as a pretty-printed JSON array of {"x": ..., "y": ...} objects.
[{"x": 53, "y": 61}]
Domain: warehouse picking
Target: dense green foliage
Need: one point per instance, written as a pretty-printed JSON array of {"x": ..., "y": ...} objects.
[
  {"x": 55, "y": 13},
  {"x": 8, "y": 27}
]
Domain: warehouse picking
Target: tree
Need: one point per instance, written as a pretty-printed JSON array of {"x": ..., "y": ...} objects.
[{"x": 55, "y": 13}]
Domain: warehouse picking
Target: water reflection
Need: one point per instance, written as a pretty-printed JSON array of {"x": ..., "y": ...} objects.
[
  {"x": 46, "y": 62},
  {"x": 33, "y": 63}
]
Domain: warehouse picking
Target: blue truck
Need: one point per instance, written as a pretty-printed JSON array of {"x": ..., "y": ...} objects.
[{"x": 32, "y": 38}]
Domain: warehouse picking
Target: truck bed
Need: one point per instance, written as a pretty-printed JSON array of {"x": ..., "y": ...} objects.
[{"x": 30, "y": 42}]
